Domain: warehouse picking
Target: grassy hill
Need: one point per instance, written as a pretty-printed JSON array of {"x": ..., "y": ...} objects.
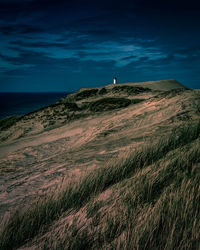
[{"x": 122, "y": 173}]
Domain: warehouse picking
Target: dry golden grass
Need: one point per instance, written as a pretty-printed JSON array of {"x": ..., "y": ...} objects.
[{"x": 152, "y": 202}]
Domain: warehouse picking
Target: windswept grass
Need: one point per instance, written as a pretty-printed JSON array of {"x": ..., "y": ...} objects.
[
  {"x": 170, "y": 206},
  {"x": 26, "y": 224},
  {"x": 156, "y": 208},
  {"x": 173, "y": 222}
]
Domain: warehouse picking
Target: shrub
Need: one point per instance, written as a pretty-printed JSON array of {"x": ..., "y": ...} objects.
[
  {"x": 102, "y": 91},
  {"x": 71, "y": 105},
  {"x": 129, "y": 89},
  {"x": 86, "y": 94},
  {"x": 135, "y": 101},
  {"x": 105, "y": 104}
]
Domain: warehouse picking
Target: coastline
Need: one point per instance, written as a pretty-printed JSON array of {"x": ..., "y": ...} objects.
[{"x": 17, "y": 104}]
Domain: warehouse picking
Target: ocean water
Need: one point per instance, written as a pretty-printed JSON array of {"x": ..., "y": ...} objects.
[{"x": 23, "y": 103}]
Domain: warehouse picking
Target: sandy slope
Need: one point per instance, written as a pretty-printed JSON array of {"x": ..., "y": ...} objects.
[
  {"x": 34, "y": 158},
  {"x": 163, "y": 85}
]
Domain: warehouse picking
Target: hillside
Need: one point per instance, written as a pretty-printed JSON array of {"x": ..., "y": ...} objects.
[{"x": 114, "y": 167}]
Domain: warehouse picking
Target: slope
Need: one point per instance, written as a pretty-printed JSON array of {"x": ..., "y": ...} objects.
[{"x": 97, "y": 160}]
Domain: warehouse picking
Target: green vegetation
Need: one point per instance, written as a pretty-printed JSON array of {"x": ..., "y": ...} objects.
[
  {"x": 86, "y": 94},
  {"x": 103, "y": 91},
  {"x": 108, "y": 103},
  {"x": 71, "y": 106},
  {"x": 8, "y": 122},
  {"x": 130, "y": 90},
  {"x": 135, "y": 101},
  {"x": 111, "y": 103},
  {"x": 154, "y": 201}
]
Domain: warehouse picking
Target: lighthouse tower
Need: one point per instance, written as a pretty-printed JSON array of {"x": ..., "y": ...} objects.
[{"x": 115, "y": 80}]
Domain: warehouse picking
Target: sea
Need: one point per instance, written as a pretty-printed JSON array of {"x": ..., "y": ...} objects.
[{"x": 12, "y": 104}]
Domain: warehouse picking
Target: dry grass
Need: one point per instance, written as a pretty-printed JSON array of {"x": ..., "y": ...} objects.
[{"x": 154, "y": 203}]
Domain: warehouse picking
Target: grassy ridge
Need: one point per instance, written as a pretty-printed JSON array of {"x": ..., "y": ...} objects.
[
  {"x": 24, "y": 225},
  {"x": 156, "y": 208}
]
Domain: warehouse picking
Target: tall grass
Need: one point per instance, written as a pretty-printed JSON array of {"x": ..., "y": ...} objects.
[
  {"x": 156, "y": 208},
  {"x": 25, "y": 224},
  {"x": 172, "y": 221}
]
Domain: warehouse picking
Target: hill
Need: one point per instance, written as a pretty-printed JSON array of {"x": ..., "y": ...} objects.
[
  {"x": 163, "y": 85},
  {"x": 114, "y": 167}
]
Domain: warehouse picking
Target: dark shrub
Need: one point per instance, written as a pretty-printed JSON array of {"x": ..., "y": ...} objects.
[
  {"x": 86, "y": 94},
  {"x": 135, "y": 101},
  {"x": 71, "y": 105},
  {"x": 129, "y": 89},
  {"x": 109, "y": 104},
  {"x": 102, "y": 91}
]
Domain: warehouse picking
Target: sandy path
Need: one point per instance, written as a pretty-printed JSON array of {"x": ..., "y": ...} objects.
[{"x": 36, "y": 140}]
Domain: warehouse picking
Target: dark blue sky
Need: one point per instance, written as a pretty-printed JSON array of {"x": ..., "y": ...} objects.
[{"x": 57, "y": 45}]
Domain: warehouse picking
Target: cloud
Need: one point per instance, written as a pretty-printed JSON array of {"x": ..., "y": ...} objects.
[
  {"x": 27, "y": 58},
  {"x": 84, "y": 50},
  {"x": 129, "y": 57},
  {"x": 40, "y": 44},
  {"x": 88, "y": 37},
  {"x": 20, "y": 29},
  {"x": 193, "y": 51}
]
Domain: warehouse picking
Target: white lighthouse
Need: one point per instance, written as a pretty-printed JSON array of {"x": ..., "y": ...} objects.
[{"x": 115, "y": 80}]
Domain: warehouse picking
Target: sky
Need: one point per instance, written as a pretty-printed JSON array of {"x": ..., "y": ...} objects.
[{"x": 58, "y": 45}]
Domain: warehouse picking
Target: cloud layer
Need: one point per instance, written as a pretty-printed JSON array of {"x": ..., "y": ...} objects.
[{"x": 65, "y": 45}]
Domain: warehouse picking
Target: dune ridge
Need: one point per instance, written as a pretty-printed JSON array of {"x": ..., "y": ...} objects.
[{"x": 131, "y": 147}]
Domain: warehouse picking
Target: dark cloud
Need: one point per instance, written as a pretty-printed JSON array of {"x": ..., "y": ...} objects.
[
  {"x": 27, "y": 58},
  {"x": 6, "y": 30},
  {"x": 37, "y": 44},
  {"x": 129, "y": 57},
  {"x": 19, "y": 29},
  {"x": 189, "y": 52},
  {"x": 46, "y": 45},
  {"x": 88, "y": 41}
]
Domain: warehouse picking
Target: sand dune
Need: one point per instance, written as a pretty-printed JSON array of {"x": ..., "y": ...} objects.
[
  {"x": 44, "y": 147},
  {"x": 163, "y": 85}
]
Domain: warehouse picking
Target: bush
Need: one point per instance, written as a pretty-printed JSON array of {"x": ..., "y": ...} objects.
[
  {"x": 135, "y": 101},
  {"x": 71, "y": 105},
  {"x": 129, "y": 89},
  {"x": 86, "y": 94},
  {"x": 102, "y": 91},
  {"x": 109, "y": 104}
]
